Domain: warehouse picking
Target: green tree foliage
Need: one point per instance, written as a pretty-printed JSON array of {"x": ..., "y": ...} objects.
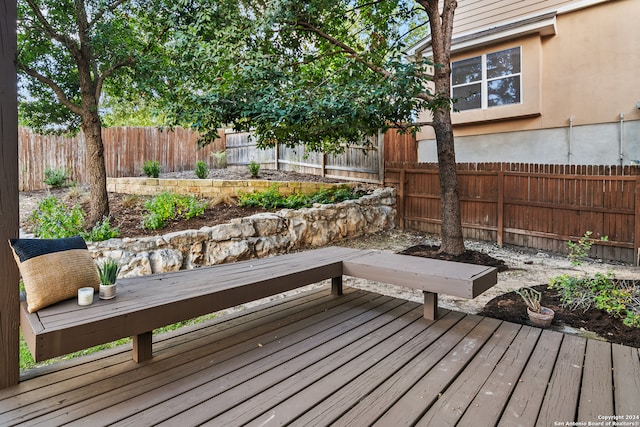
[
  {"x": 323, "y": 73},
  {"x": 67, "y": 53}
]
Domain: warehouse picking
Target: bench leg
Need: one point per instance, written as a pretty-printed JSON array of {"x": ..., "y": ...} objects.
[
  {"x": 142, "y": 347},
  {"x": 430, "y": 305},
  {"x": 336, "y": 285}
]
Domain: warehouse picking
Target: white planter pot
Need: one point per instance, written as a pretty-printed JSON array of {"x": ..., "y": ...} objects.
[{"x": 107, "y": 291}]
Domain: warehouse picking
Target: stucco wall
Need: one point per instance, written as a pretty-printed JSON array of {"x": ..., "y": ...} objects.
[{"x": 591, "y": 144}]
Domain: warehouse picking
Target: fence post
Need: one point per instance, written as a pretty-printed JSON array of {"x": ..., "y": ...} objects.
[
  {"x": 400, "y": 202},
  {"x": 636, "y": 218},
  {"x": 500, "y": 207},
  {"x": 9, "y": 211}
]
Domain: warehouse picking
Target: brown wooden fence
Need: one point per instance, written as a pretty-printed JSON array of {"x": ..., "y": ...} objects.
[
  {"x": 126, "y": 150},
  {"x": 536, "y": 206}
]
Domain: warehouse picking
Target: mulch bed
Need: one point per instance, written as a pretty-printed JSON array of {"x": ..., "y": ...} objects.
[
  {"x": 128, "y": 217},
  {"x": 511, "y": 307}
]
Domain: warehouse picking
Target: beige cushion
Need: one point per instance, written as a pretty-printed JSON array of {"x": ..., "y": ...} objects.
[{"x": 54, "y": 269}]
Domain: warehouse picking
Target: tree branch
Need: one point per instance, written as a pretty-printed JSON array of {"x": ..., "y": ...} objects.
[
  {"x": 62, "y": 98},
  {"x": 69, "y": 43},
  {"x": 345, "y": 48},
  {"x": 108, "y": 72},
  {"x": 110, "y": 8}
]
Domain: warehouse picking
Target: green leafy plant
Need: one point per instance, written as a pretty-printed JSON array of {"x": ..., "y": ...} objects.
[
  {"x": 56, "y": 177},
  {"x": 169, "y": 206},
  {"x": 219, "y": 159},
  {"x": 579, "y": 250},
  {"x": 618, "y": 298},
  {"x": 201, "y": 169},
  {"x": 254, "y": 168},
  {"x": 151, "y": 168},
  {"x": 108, "y": 271},
  {"x": 102, "y": 231},
  {"x": 531, "y": 297},
  {"x": 273, "y": 199},
  {"x": 53, "y": 219}
]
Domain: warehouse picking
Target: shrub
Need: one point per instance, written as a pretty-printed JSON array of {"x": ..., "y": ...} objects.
[
  {"x": 201, "y": 169},
  {"x": 618, "y": 298},
  {"x": 169, "y": 206},
  {"x": 102, "y": 231},
  {"x": 53, "y": 220},
  {"x": 579, "y": 250},
  {"x": 254, "y": 168},
  {"x": 151, "y": 168},
  {"x": 56, "y": 177},
  {"x": 219, "y": 159},
  {"x": 272, "y": 199}
]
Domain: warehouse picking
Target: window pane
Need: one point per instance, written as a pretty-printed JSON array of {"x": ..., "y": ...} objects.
[
  {"x": 466, "y": 71},
  {"x": 503, "y": 63},
  {"x": 503, "y": 91},
  {"x": 467, "y": 97}
]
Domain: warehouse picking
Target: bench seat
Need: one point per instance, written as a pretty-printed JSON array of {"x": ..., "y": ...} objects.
[
  {"x": 431, "y": 276},
  {"x": 150, "y": 302}
]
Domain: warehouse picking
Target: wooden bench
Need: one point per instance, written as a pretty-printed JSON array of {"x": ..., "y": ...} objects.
[{"x": 150, "y": 302}]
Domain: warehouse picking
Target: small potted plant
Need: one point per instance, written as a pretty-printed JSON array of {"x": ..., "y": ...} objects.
[
  {"x": 538, "y": 315},
  {"x": 108, "y": 273}
]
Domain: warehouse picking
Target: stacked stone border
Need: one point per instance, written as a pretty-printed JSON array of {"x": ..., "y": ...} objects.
[
  {"x": 211, "y": 187},
  {"x": 254, "y": 236}
]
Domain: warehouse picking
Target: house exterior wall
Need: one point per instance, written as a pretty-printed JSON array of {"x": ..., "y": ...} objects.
[{"x": 580, "y": 90}]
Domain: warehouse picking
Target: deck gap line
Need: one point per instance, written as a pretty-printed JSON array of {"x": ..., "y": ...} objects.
[
  {"x": 480, "y": 334},
  {"x": 407, "y": 321},
  {"x": 269, "y": 328},
  {"x": 335, "y": 344},
  {"x": 425, "y": 341},
  {"x": 249, "y": 352},
  {"x": 37, "y": 372}
]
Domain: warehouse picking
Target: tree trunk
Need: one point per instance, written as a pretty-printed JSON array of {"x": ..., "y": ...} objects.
[
  {"x": 441, "y": 23},
  {"x": 96, "y": 170},
  {"x": 451, "y": 226}
]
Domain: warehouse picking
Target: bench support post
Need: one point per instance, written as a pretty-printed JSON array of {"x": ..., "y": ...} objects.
[
  {"x": 336, "y": 285},
  {"x": 142, "y": 347},
  {"x": 430, "y": 305}
]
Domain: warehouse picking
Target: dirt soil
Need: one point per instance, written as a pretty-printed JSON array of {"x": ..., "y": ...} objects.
[{"x": 517, "y": 267}]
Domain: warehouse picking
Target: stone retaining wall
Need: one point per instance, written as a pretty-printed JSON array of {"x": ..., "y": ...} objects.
[
  {"x": 209, "y": 187},
  {"x": 255, "y": 236}
]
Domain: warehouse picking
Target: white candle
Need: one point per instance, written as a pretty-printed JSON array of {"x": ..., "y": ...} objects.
[{"x": 85, "y": 296}]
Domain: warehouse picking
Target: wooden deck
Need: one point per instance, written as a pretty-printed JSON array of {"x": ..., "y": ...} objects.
[{"x": 351, "y": 360}]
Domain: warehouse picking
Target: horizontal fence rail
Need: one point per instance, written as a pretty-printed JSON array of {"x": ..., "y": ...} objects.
[{"x": 537, "y": 206}]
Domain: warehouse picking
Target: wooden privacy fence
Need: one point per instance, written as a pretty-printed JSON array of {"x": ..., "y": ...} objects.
[
  {"x": 356, "y": 163},
  {"x": 537, "y": 206},
  {"x": 126, "y": 150}
]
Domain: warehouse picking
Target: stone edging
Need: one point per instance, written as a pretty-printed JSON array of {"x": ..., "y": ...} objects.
[
  {"x": 209, "y": 187},
  {"x": 255, "y": 236}
]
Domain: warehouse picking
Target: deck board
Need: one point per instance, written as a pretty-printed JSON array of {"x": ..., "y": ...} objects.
[
  {"x": 526, "y": 399},
  {"x": 596, "y": 397},
  {"x": 626, "y": 379},
  {"x": 487, "y": 406},
  {"x": 561, "y": 400},
  {"x": 318, "y": 359}
]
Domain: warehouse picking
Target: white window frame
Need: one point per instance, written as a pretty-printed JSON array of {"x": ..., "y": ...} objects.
[{"x": 484, "y": 81}]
